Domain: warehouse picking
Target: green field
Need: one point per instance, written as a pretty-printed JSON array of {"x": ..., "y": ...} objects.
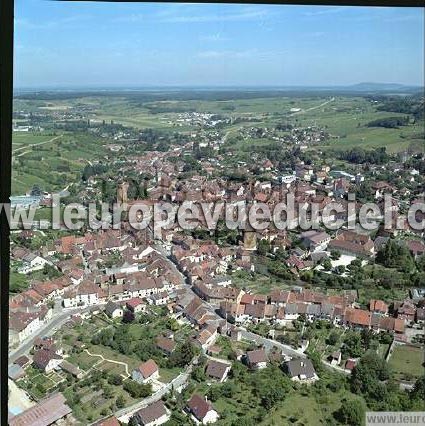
[
  {"x": 298, "y": 409},
  {"x": 407, "y": 362},
  {"x": 55, "y": 164}
]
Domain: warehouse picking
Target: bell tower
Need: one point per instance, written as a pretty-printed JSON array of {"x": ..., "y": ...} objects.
[{"x": 122, "y": 189}]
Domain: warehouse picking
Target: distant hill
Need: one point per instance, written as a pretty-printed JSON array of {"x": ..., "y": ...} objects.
[
  {"x": 150, "y": 94},
  {"x": 381, "y": 87}
]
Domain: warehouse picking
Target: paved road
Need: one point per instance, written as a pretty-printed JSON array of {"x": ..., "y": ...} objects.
[
  {"x": 269, "y": 344},
  {"x": 58, "y": 320},
  {"x": 125, "y": 414},
  {"x": 312, "y": 108},
  {"x": 335, "y": 368}
]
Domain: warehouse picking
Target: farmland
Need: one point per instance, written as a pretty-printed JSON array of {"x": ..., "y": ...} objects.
[
  {"x": 54, "y": 156},
  {"x": 51, "y": 162}
]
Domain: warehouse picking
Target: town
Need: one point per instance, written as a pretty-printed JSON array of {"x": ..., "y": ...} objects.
[{"x": 233, "y": 327}]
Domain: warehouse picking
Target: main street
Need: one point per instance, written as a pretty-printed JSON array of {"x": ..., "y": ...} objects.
[{"x": 59, "y": 317}]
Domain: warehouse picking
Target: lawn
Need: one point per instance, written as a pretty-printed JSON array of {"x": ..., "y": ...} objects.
[
  {"x": 301, "y": 404},
  {"x": 112, "y": 368},
  {"x": 347, "y": 118},
  {"x": 155, "y": 326},
  {"x": 21, "y": 139},
  {"x": 166, "y": 375},
  {"x": 407, "y": 362},
  {"x": 258, "y": 283},
  {"x": 296, "y": 410},
  {"x": 109, "y": 353},
  {"x": 379, "y": 293},
  {"x": 319, "y": 340},
  {"x": 18, "y": 282},
  {"x": 83, "y": 360}
]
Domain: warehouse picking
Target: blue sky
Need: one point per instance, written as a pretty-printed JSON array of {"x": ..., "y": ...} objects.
[{"x": 144, "y": 44}]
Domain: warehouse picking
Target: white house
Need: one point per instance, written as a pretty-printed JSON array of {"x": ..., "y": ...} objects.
[
  {"x": 31, "y": 263},
  {"x": 159, "y": 298},
  {"x": 217, "y": 370},
  {"x": 256, "y": 359},
  {"x": 202, "y": 410},
  {"x": 47, "y": 359},
  {"x": 24, "y": 324},
  {"x": 113, "y": 310},
  {"x": 301, "y": 370},
  {"x": 135, "y": 305},
  {"x": 85, "y": 295}
]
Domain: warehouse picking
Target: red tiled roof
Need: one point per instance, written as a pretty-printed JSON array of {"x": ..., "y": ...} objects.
[
  {"x": 247, "y": 299},
  {"x": 111, "y": 421},
  {"x": 378, "y": 306},
  {"x": 165, "y": 344},
  {"x": 350, "y": 364},
  {"x": 148, "y": 368},
  {"x": 135, "y": 301},
  {"x": 357, "y": 316}
]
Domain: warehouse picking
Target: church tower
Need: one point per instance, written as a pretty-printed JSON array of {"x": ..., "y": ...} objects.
[
  {"x": 122, "y": 197},
  {"x": 249, "y": 238}
]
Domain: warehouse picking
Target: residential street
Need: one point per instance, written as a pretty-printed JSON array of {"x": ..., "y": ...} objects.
[
  {"x": 60, "y": 317},
  {"x": 269, "y": 344},
  {"x": 125, "y": 414}
]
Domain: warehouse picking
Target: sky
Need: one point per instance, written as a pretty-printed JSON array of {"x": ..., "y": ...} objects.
[{"x": 89, "y": 44}]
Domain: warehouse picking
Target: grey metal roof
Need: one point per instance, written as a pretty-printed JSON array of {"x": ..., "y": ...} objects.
[{"x": 301, "y": 367}]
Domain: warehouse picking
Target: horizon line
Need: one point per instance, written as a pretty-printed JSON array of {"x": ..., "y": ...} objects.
[{"x": 130, "y": 87}]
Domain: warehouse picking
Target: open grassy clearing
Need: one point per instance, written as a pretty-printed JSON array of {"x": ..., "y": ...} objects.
[
  {"x": 258, "y": 283},
  {"x": 367, "y": 293},
  {"x": 83, "y": 360},
  {"x": 407, "y": 362},
  {"x": 383, "y": 349},
  {"x": 22, "y": 139}
]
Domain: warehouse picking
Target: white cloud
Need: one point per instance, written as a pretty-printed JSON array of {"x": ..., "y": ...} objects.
[
  {"x": 316, "y": 11},
  {"x": 217, "y": 37},
  {"x": 175, "y": 16},
  {"x": 258, "y": 54},
  {"x": 67, "y": 22}
]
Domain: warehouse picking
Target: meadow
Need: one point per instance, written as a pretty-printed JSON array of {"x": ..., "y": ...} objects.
[{"x": 407, "y": 362}]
